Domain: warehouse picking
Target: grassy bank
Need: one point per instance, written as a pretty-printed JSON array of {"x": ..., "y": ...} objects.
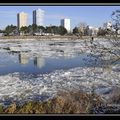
[{"x": 66, "y": 102}]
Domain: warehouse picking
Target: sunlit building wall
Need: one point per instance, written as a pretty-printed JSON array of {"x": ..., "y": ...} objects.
[
  {"x": 66, "y": 24},
  {"x": 38, "y": 17},
  {"x": 22, "y": 19}
]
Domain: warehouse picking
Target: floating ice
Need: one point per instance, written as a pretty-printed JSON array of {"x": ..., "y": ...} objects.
[{"x": 24, "y": 87}]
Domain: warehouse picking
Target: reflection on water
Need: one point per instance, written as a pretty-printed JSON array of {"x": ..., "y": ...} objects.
[
  {"x": 44, "y": 57},
  {"x": 23, "y": 58},
  {"x": 23, "y": 62},
  {"x": 39, "y": 62}
]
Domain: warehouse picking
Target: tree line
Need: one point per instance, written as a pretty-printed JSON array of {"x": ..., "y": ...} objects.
[
  {"x": 32, "y": 29},
  {"x": 82, "y": 29}
]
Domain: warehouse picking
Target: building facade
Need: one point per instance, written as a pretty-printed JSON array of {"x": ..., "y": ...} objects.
[
  {"x": 22, "y": 19},
  {"x": 66, "y": 24},
  {"x": 38, "y": 17}
]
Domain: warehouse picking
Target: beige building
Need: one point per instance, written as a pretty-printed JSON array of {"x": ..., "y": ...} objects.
[{"x": 22, "y": 19}]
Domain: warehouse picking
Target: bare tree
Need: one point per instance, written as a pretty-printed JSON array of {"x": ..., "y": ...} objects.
[
  {"x": 116, "y": 21},
  {"x": 106, "y": 52},
  {"x": 81, "y": 27}
]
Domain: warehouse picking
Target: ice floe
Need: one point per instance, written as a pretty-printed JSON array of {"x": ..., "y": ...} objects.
[{"x": 24, "y": 87}]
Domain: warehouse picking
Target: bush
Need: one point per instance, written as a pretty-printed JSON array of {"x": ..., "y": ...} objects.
[{"x": 66, "y": 102}]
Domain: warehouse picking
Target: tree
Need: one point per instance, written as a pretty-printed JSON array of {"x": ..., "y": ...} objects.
[
  {"x": 10, "y": 29},
  {"x": 48, "y": 30},
  {"x": 86, "y": 30},
  {"x": 0, "y": 31},
  {"x": 81, "y": 28},
  {"x": 34, "y": 28},
  {"x": 55, "y": 29},
  {"x": 62, "y": 30},
  {"x": 30, "y": 29},
  {"x": 75, "y": 30},
  {"x": 101, "y": 32},
  {"x": 40, "y": 29},
  {"x": 24, "y": 29},
  {"x": 116, "y": 21},
  {"x": 111, "y": 52}
]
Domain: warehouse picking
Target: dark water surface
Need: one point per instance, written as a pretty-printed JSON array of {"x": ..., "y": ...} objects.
[
  {"x": 38, "y": 64},
  {"x": 20, "y": 61}
]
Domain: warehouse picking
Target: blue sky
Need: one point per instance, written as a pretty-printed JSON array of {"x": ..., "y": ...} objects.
[{"x": 92, "y": 15}]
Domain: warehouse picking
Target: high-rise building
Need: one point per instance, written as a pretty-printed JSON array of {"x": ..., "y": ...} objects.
[
  {"x": 22, "y": 19},
  {"x": 66, "y": 24},
  {"x": 38, "y": 16}
]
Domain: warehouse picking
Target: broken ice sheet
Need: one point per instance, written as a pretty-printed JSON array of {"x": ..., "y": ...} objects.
[
  {"x": 14, "y": 84},
  {"x": 24, "y": 87}
]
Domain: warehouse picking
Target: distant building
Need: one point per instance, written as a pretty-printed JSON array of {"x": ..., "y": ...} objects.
[
  {"x": 107, "y": 25},
  {"x": 38, "y": 16},
  {"x": 66, "y": 24},
  {"x": 22, "y": 19},
  {"x": 93, "y": 30}
]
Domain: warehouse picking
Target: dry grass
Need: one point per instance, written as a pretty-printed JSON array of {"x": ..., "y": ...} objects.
[{"x": 65, "y": 102}]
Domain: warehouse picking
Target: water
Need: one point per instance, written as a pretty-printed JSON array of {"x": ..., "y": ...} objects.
[
  {"x": 34, "y": 69},
  {"x": 39, "y": 57},
  {"x": 39, "y": 64}
]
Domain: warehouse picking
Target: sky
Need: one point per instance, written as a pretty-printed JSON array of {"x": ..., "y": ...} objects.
[{"x": 92, "y": 15}]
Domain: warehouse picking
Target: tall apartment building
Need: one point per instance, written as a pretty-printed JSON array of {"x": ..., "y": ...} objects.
[
  {"x": 38, "y": 16},
  {"x": 66, "y": 24},
  {"x": 22, "y": 19}
]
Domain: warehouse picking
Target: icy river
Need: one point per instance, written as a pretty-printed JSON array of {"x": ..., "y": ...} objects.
[{"x": 38, "y": 69}]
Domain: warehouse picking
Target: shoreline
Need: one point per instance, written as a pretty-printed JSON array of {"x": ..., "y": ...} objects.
[
  {"x": 45, "y": 37},
  {"x": 64, "y": 102}
]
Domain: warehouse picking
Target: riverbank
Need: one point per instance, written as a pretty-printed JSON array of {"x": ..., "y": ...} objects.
[
  {"x": 68, "y": 102},
  {"x": 45, "y": 37}
]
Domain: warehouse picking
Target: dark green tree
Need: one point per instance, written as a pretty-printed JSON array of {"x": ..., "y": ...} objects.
[
  {"x": 48, "y": 30},
  {"x": 24, "y": 29},
  {"x": 62, "y": 30},
  {"x": 75, "y": 30},
  {"x": 30, "y": 29},
  {"x": 34, "y": 28},
  {"x": 10, "y": 29},
  {"x": 40, "y": 29}
]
